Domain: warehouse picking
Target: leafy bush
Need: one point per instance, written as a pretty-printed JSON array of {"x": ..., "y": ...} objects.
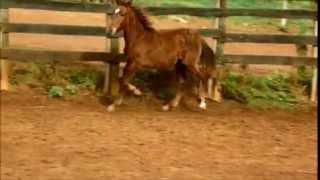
[
  {"x": 87, "y": 79},
  {"x": 274, "y": 89},
  {"x": 56, "y": 91}
]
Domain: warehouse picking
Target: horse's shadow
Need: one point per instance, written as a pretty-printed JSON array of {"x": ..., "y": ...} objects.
[{"x": 158, "y": 86}]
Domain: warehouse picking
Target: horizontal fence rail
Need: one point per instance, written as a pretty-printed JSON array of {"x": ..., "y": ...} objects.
[
  {"x": 214, "y": 33},
  {"x": 269, "y": 60},
  {"x": 45, "y": 55},
  {"x": 216, "y": 12},
  {"x": 204, "y": 12}
]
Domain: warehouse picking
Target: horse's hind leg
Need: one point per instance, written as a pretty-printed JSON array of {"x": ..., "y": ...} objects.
[
  {"x": 195, "y": 70},
  {"x": 180, "y": 78},
  {"x": 176, "y": 100}
]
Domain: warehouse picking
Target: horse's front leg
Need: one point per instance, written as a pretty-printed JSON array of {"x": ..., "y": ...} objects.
[{"x": 128, "y": 73}]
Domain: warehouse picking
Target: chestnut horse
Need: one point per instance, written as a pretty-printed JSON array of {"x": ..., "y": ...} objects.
[{"x": 146, "y": 47}]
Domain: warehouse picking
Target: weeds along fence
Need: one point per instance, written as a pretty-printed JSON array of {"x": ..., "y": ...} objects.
[{"x": 112, "y": 57}]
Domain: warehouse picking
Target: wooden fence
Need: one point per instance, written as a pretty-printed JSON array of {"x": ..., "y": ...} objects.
[{"x": 112, "y": 56}]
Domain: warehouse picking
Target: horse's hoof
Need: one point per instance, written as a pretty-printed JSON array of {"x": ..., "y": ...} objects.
[
  {"x": 137, "y": 92},
  {"x": 111, "y": 108},
  {"x": 118, "y": 102},
  {"x": 166, "y": 107},
  {"x": 203, "y": 106}
]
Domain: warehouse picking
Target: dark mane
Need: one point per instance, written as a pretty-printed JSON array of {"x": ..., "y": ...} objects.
[{"x": 142, "y": 17}]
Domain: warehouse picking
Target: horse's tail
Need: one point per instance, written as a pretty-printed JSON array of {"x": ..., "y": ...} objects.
[{"x": 208, "y": 61}]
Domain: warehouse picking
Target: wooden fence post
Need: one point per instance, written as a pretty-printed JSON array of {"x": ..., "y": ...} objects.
[
  {"x": 212, "y": 86},
  {"x": 222, "y": 4},
  {"x": 284, "y": 21},
  {"x": 4, "y": 41},
  {"x": 111, "y": 85},
  {"x": 314, "y": 85},
  {"x": 314, "y": 90},
  {"x": 114, "y": 70}
]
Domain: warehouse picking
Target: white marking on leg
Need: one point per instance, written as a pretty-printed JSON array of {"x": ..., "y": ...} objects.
[
  {"x": 135, "y": 90},
  {"x": 117, "y": 11},
  {"x": 111, "y": 108},
  {"x": 166, "y": 107},
  {"x": 203, "y": 104},
  {"x": 176, "y": 100},
  {"x": 131, "y": 87}
]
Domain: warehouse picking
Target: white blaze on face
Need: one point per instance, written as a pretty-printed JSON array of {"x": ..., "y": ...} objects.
[{"x": 114, "y": 30}]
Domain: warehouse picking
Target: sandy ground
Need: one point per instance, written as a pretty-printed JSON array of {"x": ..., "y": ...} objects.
[{"x": 49, "y": 139}]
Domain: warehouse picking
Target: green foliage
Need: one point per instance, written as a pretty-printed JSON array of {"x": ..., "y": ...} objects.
[
  {"x": 75, "y": 81},
  {"x": 56, "y": 91},
  {"x": 305, "y": 78},
  {"x": 271, "y": 90},
  {"x": 71, "y": 89},
  {"x": 85, "y": 79},
  {"x": 60, "y": 91},
  {"x": 56, "y": 80}
]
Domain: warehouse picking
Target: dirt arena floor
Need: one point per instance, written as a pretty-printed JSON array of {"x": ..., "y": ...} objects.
[{"x": 77, "y": 139}]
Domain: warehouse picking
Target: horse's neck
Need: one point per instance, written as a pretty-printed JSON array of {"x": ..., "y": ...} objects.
[{"x": 134, "y": 30}]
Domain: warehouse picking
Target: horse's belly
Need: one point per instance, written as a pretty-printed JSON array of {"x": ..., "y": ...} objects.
[{"x": 160, "y": 62}]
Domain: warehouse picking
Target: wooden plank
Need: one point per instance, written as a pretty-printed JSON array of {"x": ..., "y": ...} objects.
[
  {"x": 4, "y": 42},
  {"x": 270, "y": 60},
  {"x": 270, "y": 38},
  {"x": 209, "y": 12},
  {"x": 74, "y": 30},
  {"x": 101, "y": 31},
  {"x": 45, "y": 55},
  {"x": 204, "y": 12},
  {"x": 55, "y": 29},
  {"x": 54, "y": 5}
]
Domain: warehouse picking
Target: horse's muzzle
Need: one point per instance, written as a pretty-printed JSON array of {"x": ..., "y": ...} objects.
[{"x": 112, "y": 33}]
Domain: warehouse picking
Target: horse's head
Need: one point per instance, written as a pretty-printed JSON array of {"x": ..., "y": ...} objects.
[{"x": 118, "y": 16}]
